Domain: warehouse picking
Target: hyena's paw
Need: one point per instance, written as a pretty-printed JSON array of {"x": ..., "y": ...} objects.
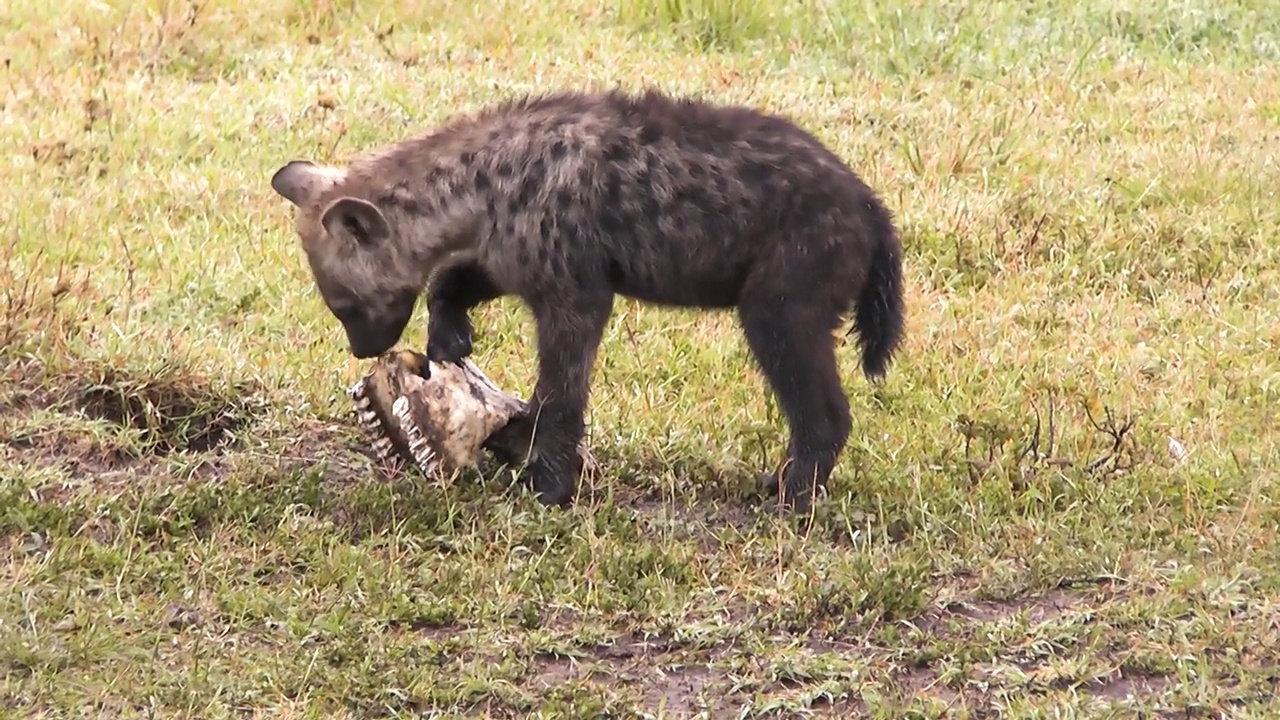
[
  {"x": 552, "y": 485},
  {"x": 794, "y": 495},
  {"x": 448, "y": 339}
]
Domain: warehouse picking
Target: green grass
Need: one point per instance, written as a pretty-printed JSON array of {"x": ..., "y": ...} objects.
[{"x": 1088, "y": 197}]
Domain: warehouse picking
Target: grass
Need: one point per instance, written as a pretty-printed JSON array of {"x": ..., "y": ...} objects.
[{"x": 191, "y": 525}]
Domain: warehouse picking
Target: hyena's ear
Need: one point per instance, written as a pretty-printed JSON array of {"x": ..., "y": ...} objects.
[
  {"x": 356, "y": 220},
  {"x": 300, "y": 181}
]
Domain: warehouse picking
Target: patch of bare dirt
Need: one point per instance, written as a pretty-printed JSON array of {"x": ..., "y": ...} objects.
[
  {"x": 1037, "y": 609},
  {"x": 684, "y": 681},
  {"x": 922, "y": 681},
  {"x": 680, "y": 689},
  {"x": 1127, "y": 684},
  {"x": 964, "y": 602},
  {"x": 171, "y": 412},
  {"x": 79, "y": 456}
]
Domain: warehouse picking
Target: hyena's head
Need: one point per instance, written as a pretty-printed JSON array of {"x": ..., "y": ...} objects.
[{"x": 351, "y": 247}]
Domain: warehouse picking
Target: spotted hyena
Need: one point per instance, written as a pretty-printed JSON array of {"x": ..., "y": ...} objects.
[{"x": 568, "y": 199}]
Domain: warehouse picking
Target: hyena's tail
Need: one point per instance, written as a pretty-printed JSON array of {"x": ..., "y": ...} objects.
[{"x": 879, "y": 316}]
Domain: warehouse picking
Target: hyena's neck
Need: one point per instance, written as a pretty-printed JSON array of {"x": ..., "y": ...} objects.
[
  {"x": 444, "y": 235},
  {"x": 430, "y": 192}
]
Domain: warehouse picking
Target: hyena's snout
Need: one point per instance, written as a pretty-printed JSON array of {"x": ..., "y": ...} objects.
[
  {"x": 366, "y": 343},
  {"x": 375, "y": 333}
]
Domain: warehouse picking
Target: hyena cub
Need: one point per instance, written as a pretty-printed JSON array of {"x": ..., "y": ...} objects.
[{"x": 567, "y": 199}]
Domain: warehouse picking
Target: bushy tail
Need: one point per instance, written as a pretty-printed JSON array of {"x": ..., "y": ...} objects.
[{"x": 879, "y": 317}]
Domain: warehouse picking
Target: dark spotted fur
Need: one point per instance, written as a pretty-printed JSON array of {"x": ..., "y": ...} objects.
[{"x": 570, "y": 198}]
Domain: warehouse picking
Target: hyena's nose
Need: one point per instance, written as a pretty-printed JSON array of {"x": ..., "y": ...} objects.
[{"x": 365, "y": 347}]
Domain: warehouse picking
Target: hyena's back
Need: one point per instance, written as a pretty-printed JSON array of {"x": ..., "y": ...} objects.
[{"x": 671, "y": 201}]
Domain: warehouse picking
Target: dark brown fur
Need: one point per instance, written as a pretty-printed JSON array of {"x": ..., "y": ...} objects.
[{"x": 568, "y": 199}]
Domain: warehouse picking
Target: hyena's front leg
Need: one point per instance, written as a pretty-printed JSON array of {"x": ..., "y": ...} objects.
[
  {"x": 569, "y": 332},
  {"x": 450, "y": 300}
]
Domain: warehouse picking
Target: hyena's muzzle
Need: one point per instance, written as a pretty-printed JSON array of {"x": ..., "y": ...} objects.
[{"x": 372, "y": 331}]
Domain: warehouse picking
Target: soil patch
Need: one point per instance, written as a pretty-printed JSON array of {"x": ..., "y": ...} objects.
[{"x": 171, "y": 411}]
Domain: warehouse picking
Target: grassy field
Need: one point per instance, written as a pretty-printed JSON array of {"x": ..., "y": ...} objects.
[{"x": 1061, "y": 504}]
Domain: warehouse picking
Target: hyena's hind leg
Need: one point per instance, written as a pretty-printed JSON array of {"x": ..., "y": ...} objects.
[
  {"x": 793, "y": 343},
  {"x": 449, "y": 301}
]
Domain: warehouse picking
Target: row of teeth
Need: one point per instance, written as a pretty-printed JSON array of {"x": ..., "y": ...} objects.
[
  {"x": 418, "y": 446},
  {"x": 368, "y": 421}
]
